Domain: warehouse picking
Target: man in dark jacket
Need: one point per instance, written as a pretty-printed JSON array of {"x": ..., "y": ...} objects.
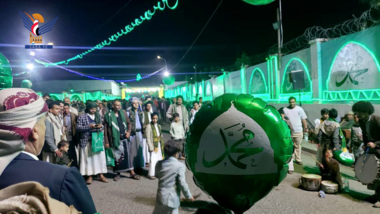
[
  {"x": 70, "y": 124},
  {"x": 370, "y": 126}
]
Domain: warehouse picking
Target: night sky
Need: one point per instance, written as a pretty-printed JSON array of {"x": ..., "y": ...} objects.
[{"x": 236, "y": 27}]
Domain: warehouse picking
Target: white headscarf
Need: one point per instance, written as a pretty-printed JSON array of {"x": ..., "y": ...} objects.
[{"x": 20, "y": 109}]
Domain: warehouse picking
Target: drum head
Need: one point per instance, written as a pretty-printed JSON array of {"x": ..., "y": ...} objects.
[
  {"x": 329, "y": 184},
  {"x": 311, "y": 176},
  {"x": 366, "y": 168}
]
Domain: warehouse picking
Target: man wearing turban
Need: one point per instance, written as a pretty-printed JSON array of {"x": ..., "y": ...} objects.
[{"x": 22, "y": 135}]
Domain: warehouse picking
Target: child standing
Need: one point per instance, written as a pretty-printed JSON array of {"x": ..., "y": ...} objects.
[
  {"x": 170, "y": 171},
  {"x": 63, "y": 147},
  {"x": 155, "y": 144},
  {"x": 178, "y": 133}
]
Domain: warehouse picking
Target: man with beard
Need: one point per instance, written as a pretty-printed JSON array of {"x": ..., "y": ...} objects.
[
  {"x": 54, "y": 132},
  {"x": 370, "y": 126},
  {"x": 70, "y": 123},
  {"x": 180, "y": 109},
  {"x": 116, "y": 136},
  {"x": 297, "y": 118},
  {"x": 72, "y": 109},
  {"x": 136, "y": 118}
]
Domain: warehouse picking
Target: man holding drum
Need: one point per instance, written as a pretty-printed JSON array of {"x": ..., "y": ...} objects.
[{"x": 370, "y": 125}]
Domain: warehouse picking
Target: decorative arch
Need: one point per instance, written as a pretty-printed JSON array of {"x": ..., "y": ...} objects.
[
  {"x": 183, "y": 92},
  {"x": 194, "y": 92},
  {"x": 208, "y": 89},
  {"x": 257, "y": 83},
  {"x": 295, "y": 64},
  {"x": 354, "y": 67},
  {"x": 200, "y": 90}
]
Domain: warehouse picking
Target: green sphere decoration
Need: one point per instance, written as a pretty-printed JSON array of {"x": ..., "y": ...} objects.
[
  {"x": 26, "y": 84},
  {"x": 169, "y": 80},
  {"x": 258, "y": 2},
  {"x": 238, "y": 149},
  {"x": 6, "y": 78},
  {"x": 344, "y": 158}
]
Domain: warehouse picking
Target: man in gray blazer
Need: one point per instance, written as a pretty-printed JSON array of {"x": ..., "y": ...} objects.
[{"x": 171, "y": 175}]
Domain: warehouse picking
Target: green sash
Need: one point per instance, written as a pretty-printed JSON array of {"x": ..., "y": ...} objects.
[{"x": 111, "y": 120}]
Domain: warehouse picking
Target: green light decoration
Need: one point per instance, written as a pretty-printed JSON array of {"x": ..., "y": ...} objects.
[
  {"x": 24, "y": 72},
  {"x": 169, "y": 81},
  {"x": 258, "y": 2},
  {"x": 243, "y": 82},
  {"x": 239, "y": 143},
  {"x": 200, "y": 89},
  {"x": 208, "y": 95},
  {"x": 26, "y": 84},
  {"x": 83, "y": 96},
  {"x": 6, "y": 78},
  {"x": 161, "y": 6},
  {"x": 138, "y": 77},
  {"x": 369, "y": 94}
]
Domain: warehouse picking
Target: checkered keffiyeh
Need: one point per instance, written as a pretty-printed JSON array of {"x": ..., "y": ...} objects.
[{"x": 20, "y": 109}]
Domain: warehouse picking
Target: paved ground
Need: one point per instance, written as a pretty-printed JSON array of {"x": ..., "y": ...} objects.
[{"x": 129, "y": 196}]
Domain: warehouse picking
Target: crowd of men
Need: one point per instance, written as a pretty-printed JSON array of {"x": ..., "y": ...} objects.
[
  {"x": 94, "y": 137},
  {"x": 126, "y": 136}
]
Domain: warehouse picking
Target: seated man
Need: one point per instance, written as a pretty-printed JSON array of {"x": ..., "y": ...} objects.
[
  {"x": 330, "y": 169},
  {"x": 22, "y": 133}
]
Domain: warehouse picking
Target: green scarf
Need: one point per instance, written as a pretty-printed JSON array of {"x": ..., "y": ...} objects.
[
  {"x": 111, "y": 120},
  {"x": 156, "y": 139},
  {"x": 340, "y": 134}
]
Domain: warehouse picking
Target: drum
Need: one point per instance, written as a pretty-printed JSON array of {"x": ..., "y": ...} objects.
[
  {"x": 367, "y": 169},
  {"x": 329, "y": 187},
  {"x": 310, "y": 182}
]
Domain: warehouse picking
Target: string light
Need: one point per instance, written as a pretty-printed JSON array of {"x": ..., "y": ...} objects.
[
  {"x": 96, "y": 78},
  {"x": 161, "y": 6},
  {"x": 24, "y": 72}
]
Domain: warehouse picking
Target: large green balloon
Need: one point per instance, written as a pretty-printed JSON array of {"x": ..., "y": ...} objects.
[
  {"x": 6, "y": 78},
  {"x": 238, "y": 150},
  {"x": 169, "y": 80},
  {"x": 258, "y": 2},
  {"x": 26, "y": 84}
]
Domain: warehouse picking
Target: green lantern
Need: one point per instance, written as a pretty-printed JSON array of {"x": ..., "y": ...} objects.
[
  {"x": 238, "y": 149},
  {"x": 258, "y": 2},
  {"x": 168, "y": 80},
  {"x": 6, "y": 78},
  {"x": 26, "y": 84}
]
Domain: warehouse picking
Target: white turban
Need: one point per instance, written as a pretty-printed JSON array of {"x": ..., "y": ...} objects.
[
  {"x": 134, "y": 99},
  {"x": 20, "y": 109}
]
